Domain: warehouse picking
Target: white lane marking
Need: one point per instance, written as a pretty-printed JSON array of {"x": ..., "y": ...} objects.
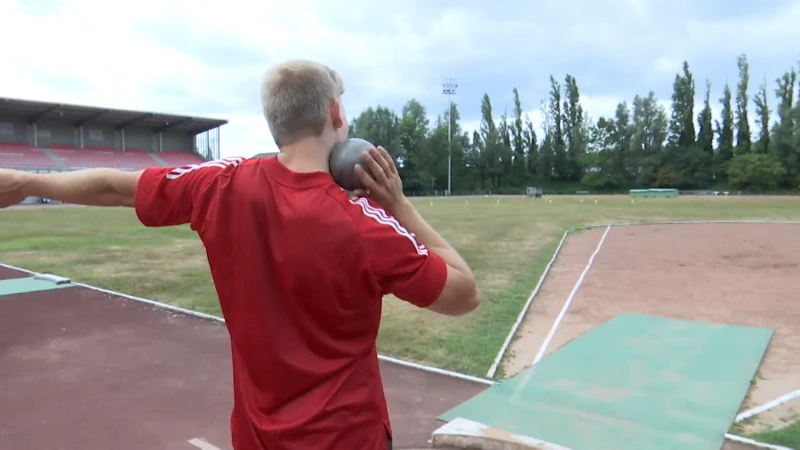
[{"x": 202, "y": 444}]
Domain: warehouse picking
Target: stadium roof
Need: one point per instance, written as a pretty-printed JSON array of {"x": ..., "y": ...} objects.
[{"x": 35, "y": 111}]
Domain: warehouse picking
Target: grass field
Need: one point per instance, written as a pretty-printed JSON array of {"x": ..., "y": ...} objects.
[
  {"x": 787, "y": 437},
  {"x": 507, "y": 243}
]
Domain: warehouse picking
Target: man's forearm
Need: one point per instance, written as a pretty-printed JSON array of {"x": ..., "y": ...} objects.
[
  {"x": 408, "y": 216},
  {"x": 93, "y": 187}
]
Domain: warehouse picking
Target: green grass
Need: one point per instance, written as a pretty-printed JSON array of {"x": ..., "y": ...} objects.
[
  {"x": 787, "y": 437},
  {"x": 507, "y": 244}
]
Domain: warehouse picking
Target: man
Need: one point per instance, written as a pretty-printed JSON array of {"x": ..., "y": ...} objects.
[{"x": 300, "y": 268}]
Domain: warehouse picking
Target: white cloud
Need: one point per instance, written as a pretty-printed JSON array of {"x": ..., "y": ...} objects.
[{"x": 201, "y": 57}]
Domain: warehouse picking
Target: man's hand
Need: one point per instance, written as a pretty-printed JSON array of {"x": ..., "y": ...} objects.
[
  {"x": 11, "y": 182},
  {"x": 387, "y": 187}
]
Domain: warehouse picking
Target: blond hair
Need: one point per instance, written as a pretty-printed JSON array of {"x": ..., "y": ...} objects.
[{"x": 296, "y": 98}]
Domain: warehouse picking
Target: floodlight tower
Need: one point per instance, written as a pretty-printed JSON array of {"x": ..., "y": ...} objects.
[{"x": 449, "y": 89}]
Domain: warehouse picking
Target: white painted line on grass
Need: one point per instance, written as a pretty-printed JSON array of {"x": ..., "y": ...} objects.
[
  {"x": 564, "y": 309},
  {"x": 189, "y": 312},
  {"x": 431, "y": 369},
  {"x": 524, "y": 311},
  {"x": 202, "y": 444},
  {"x": 767, "y": 406}
]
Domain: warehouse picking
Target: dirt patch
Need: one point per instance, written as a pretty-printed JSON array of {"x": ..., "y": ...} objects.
[
  {"x": 564, "y": 273},
  {"x": 741, "y": 274}
]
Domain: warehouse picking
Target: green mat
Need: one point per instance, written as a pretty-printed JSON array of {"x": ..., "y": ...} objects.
[
  {"x": 635, "y": 382},
  {"x": 23, "y": 285}
]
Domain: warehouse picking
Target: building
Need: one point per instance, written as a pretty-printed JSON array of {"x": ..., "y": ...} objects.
[{"x": 46, "y": 137}]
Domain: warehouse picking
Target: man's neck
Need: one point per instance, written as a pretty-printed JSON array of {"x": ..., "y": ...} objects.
[{"x": 305, "y": 156}]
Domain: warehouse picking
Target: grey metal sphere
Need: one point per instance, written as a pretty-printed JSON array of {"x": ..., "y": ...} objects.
[{"x": 344, "y": 158}]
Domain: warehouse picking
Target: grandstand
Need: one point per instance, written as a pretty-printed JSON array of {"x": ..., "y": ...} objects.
[{"x": 49, "y": 137}]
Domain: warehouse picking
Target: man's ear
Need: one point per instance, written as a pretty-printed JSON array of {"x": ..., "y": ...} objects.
[{"x": 336, "y": 115}]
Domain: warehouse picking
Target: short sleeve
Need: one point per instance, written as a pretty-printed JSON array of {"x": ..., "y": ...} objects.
[
  {"x": 402, "y": 266},
  {"x": 166, "y": 196}
]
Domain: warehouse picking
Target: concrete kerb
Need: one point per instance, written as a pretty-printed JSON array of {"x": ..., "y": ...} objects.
[
  {"x": 467, "y": 434},
  {"x": 753, "y": 444}
]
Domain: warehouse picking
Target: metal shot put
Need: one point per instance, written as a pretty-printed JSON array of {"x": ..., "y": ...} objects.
[{"x": 344, "y": 158}]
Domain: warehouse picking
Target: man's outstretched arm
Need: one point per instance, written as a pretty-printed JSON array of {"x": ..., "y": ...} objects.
[{"x": 91, "y": 187}]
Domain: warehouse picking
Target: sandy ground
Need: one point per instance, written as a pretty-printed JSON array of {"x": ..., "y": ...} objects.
[{"x": 743, "y": 274}]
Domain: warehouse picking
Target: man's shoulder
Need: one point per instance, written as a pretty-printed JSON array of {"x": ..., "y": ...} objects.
[{"x": 367, "y": 214}]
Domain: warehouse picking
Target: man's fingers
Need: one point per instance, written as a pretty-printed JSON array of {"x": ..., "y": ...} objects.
[
  {"x": 392, "y": 168},
  {"x": 375, "y": 166},
  {"x": 361, "y": 193},
  {"x": 376, "y": 154},
  {"x": 367, "y": 181}
]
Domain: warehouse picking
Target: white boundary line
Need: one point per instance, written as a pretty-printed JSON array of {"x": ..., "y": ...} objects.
[
  {"x": 769, "y": 405},
  {"x": 202, "y": 444},
  {"x": 564, "y": 309},
  {"x": 745, "y": 440},
  {"x": 524, "y": 311},
  {"x": 189, "y": 312}
]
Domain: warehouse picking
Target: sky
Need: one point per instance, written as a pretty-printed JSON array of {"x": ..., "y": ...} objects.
[{"x": 206, "y": 58}]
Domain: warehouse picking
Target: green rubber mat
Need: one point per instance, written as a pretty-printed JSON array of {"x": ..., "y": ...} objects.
[
  {"x": 24, "y": 285},
  {"x": 635, "y": 382}
]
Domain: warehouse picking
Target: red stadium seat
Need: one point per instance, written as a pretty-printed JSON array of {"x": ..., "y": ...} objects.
[
  {"x": 77, "y": 158},
  {"x": 24, "y": 156}
]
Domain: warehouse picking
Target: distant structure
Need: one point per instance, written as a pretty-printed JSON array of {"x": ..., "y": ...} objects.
[{"x": 47, "y": 137}]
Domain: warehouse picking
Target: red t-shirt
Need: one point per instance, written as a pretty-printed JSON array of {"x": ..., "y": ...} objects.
[{"x": 300, "y": 269}]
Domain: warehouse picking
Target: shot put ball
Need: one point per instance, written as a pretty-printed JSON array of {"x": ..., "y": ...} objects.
[{"x": 344, "y": 158}]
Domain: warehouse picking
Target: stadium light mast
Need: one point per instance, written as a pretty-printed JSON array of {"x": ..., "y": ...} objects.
[{"x": 449, "y": 89}]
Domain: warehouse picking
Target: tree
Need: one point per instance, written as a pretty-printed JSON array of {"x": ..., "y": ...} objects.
[
  {"x": 640, "y": 145},
  {"x": 743, "y": 143},
  {"x": 756, "y": 172},
  {"x": 556, "y": 130},
  {"x": 532, "y": 145},
  {"x": 490, "y": 144},
  {"x": 724, "y": 152},
  {"x": 574, "y": 130},
  {"x": 762, "y": 118},
  {"x": 784, "y": 147},
  {"x": 650, "y": 128},
  {"x": 622, "y": 132},
  {"x": 682, "y": 132},
  {"x": 506, "y": 154},
  {"x": 519, "y": 171},
  {"x": 705, "y": 125},
  {"x": 601, "y": 158},
  {"x": 380, "y": 125}
]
